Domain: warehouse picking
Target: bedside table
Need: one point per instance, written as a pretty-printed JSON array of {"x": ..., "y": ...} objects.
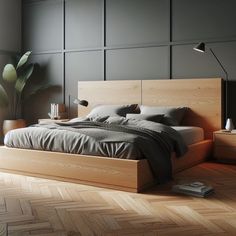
[
  {"x": 225, "y": 146},
  {"x": 46, "y": 121}
]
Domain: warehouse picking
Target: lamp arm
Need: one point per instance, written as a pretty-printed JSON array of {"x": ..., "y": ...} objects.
[
  {"x": 226, "y": 82},
  {"x": 222, "y": 67}
]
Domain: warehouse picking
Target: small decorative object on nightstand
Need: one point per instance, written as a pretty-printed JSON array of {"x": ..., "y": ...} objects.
[
  {"x": 229, "y": 125},
  {"x": 58, "y": 111},
  {"x": 225, "y": 146}
]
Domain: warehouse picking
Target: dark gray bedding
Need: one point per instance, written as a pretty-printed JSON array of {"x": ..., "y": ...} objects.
[{"x": 119, "y": 138}]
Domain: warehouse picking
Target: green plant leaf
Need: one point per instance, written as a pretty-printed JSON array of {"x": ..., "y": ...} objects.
[
  {"x": 22, "y": 80},
  {"x": 3, "y": 97},
  {"x": 14, "y": 59},
  {"x": 23, "y": 59},
  {"x": 9, "y": 73}
]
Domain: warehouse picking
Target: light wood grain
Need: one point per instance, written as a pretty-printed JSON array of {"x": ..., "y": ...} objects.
[
  {"x": 106, "y": 171},
  {"x": 196, "y": 154},
  {"x": 225, "y": 153},
  {"x": 35, "y": 206},
  {"x": 225, "y": 146},
  {"x": 122, "y": 174},
  {"x": 108, "y": 92},
  {"x": 203, "y": 96},
  {"x": 225, "y": 139}
]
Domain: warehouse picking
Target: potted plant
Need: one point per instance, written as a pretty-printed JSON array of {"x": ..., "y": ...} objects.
[{"x": 15, "y": 77}]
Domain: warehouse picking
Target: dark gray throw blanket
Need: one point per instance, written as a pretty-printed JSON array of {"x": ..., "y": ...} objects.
[{"x": 119, "y": 137}]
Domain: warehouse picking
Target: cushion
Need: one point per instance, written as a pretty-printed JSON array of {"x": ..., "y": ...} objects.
[
  {"x": 152, "y": 117},
  {"x": 95, "y": 118},
  {"x": 113, "y": 110},
  {"x": 118, "y": 120},
  {"x": 172, "y": 115},
  {"x": 78, "y": 119}
]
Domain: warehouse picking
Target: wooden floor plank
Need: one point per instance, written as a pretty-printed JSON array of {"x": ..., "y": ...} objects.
[{"x": 34, "y": 206}]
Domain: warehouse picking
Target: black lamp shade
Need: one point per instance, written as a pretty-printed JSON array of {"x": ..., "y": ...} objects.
[
  {"x": 200, "y": 47},
  {"x": 81, "y": 102}
]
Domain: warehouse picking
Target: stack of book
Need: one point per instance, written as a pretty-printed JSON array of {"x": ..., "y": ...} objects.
[{"x": 197, "y": 189}]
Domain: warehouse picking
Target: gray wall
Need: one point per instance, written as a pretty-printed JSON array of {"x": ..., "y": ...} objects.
[
  {"x": 127, "y": 39},
  {"x": 10, "y": 36}
]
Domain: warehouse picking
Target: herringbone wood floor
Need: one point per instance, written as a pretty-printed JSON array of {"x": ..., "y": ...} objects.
[{"x": 34, "y": 206}]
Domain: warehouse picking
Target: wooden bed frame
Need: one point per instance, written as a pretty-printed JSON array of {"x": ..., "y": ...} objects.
[{"x": 203, "y": 96}]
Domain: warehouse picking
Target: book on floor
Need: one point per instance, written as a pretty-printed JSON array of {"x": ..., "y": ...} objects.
[{"x": 197, "y": 189}]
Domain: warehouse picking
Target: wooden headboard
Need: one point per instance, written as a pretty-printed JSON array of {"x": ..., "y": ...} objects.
[{"x": 203, "y": 96}]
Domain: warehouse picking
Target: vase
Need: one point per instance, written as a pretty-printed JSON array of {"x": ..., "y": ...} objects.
[
  {"x": 229, "y": 125},
  {"x": 13, "y": 124}
]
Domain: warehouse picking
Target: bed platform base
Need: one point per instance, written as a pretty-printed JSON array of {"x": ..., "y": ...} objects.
[
  {"x": 120, "y": 174},
  {"x": 202, "y": 96}
]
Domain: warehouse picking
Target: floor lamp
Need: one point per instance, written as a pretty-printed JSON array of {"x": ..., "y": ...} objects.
[{"x": 202, "y": 48}]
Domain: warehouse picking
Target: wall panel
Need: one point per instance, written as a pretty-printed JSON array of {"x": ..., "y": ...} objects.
[
  {"x": 43, "y": 25},
  {"x": 203, "y": 19},
  {"x": 132, "y": 39},
  {"x": 47, "y": 72},
  {"x": 10, "y": 25},
  {"x": 137, "y": 22},
  {"x": 10, "y": 40},
  {"x": 3, "y": 111},
  {"x": 189, "y": 63},
  {"x": 138, "y": 63},
  {"x": 81, "y": 66},
  {"x": 83, "y": 24}
]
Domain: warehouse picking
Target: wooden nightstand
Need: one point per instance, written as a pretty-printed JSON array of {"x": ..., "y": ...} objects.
[
  {"x": 225, "y": 146},
  {"x": 46, "y": 121}
]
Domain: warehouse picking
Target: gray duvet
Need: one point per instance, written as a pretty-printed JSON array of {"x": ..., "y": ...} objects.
[{"x": 119, "y": 138}]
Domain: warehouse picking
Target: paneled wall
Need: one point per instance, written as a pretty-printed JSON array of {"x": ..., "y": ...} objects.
[
  {"x": 126, "y": 39},
  {"x": 10, "y": 38}
]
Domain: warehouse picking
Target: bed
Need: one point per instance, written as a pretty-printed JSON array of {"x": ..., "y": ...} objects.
[{"x": 203, "y": 96}]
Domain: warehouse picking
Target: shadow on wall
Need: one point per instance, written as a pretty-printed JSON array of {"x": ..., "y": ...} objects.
[
  {"x": 39, "y": 93},
  {"x": 231, "y": 100},
  {"x": 5, "y": 112},
  {"x": 39, "y": 105},
  {"x": 3, "y": 115}
]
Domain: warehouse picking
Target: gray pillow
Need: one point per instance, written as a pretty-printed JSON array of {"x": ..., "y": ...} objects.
[
  {"x": 113, "y": 110},
  {"x": 172, "y": 115},
  {"x": 95, "y": 118},
  {"x": 152, "y": 117},
  {"x": 117, "y": 120},
  {"x": 78, "y": 119}
]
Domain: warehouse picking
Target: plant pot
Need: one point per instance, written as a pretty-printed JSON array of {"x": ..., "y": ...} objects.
[{"x": 13, "y": 124}]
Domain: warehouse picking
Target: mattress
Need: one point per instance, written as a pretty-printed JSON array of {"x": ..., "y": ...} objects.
[{"x": 190, "y": 134}]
